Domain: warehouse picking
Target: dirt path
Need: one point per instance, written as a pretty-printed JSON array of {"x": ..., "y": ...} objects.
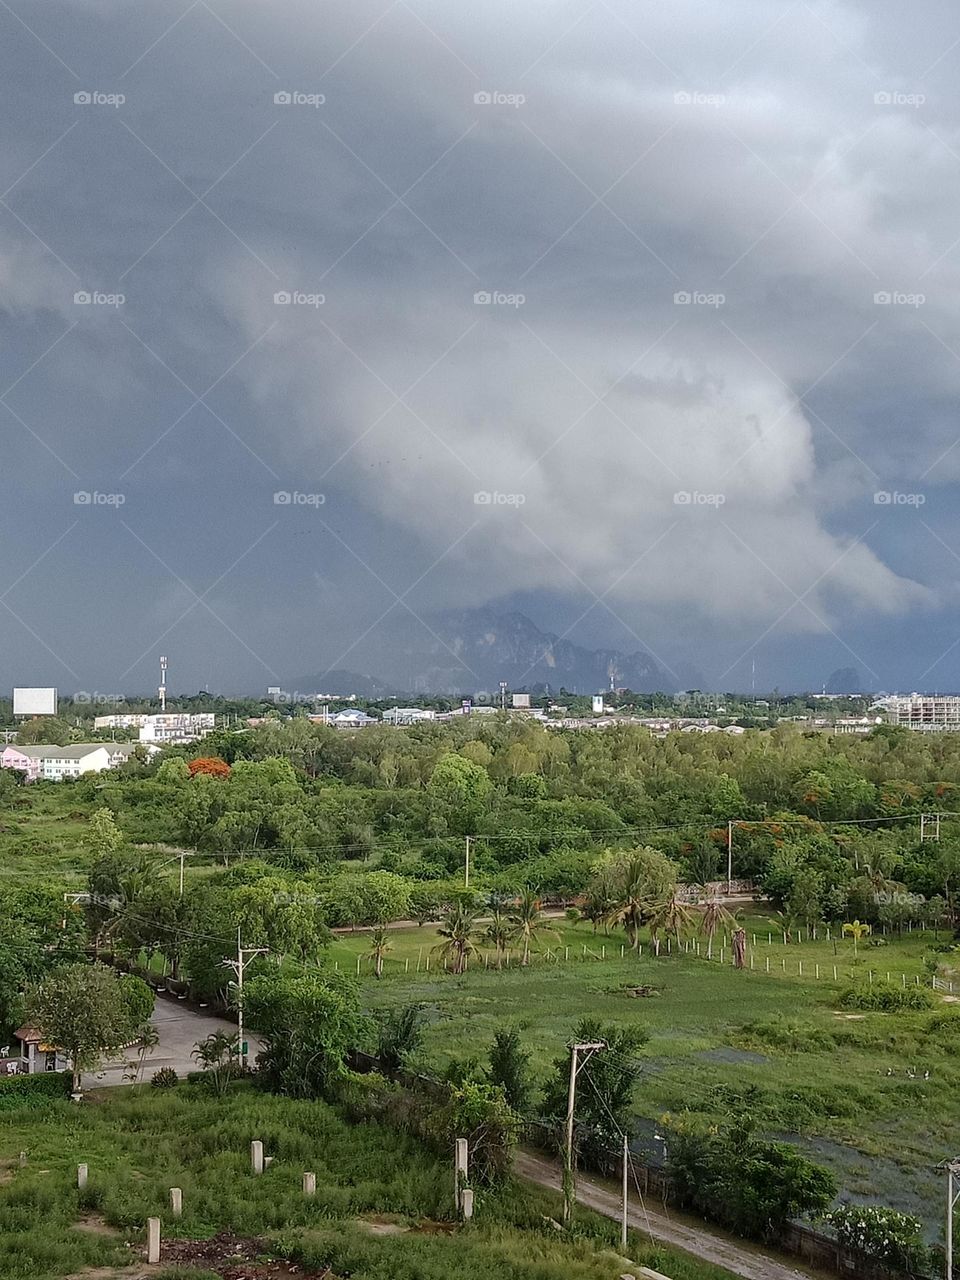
[{"x": 742, "y": 1259}]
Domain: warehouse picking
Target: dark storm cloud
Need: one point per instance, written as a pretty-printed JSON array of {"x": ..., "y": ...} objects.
[{"x": 720, "y": 252}]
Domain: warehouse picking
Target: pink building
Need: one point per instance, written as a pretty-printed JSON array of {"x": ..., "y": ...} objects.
[{"x": 13, "y": 758}]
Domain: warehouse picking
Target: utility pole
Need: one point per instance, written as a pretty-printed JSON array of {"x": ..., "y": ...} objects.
[
  {"x": 569, "y": 1189},
  {"x": 623, "y": 1220},
  {"x": 466, "y": 863},
  {"x": 244, "y": 956},
  {"x": 931, "y": 820},
  {"x": 729, "y": 858}
]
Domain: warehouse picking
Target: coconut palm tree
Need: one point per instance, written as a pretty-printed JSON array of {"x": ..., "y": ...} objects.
[
  {"x": 641, "y": 884},
  {"x": 856, "y": 929},
  {"x": 498, "y": 931},
  {"x": 528, "y": 922},
  {"x": 600, "y": 901},
  {"x": 380, "y": 944},
  {"x": 456, "y": 930},
  {"x": 713, "y": 915},
  {"x": 669, "y": 915}
]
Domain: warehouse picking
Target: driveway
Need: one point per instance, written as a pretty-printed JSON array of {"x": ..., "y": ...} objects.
[
  {"x": 745, "y": 1260},
  {"x": 179, "y": 1028}
]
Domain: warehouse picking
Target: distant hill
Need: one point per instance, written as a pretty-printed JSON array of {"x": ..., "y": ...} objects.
[{"x": 466, "y": 651}]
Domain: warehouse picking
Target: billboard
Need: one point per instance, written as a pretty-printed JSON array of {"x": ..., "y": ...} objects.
[
  {"x": 597, "y": 704},
  {"x": 521, "y": 699},
  {"x": 34, "y": 702}
]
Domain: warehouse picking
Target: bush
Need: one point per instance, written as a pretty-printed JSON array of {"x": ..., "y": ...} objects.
[
  {"x": 753, "y": 1187},
  {"x": 165, "y": 1078},
  {"x": 882, "y": 1233},
  {"x": 27, "y": 1091},
  {"x": 885, "y": 997}
]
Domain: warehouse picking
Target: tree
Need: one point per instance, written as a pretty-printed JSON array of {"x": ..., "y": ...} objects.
[
  {"x": 400, "y": 1035},
  {"x": 529, "y": 923},
  {"x": 87, "y": 1012},
  {"x": 218, "y": 1054},
  {"x": 148, "y": 1037},
  {"x": 498, "y": 931},
  {"x": 309, "y": 1023},
  {"x": 713, "y": 915},
  {"x": 639, "y": 882},
  {"x": 510, "y": 1069},
  {"x": 456, "y": 930},
  {"x": 103, "y": 837},
  {"x": 607, "y": 1082},
  {"x": 856, "y": 930},
  {"x": 379, "y": 946},
  {"x": 213, "y": 766}
]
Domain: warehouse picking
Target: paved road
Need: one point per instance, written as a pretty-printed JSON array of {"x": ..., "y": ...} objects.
[
  {"x": 701, "y": 1242},
  {"x": 180, "y": 1028}
]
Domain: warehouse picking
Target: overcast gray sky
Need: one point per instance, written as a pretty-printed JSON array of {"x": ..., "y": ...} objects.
[{"x": 713, "y": 393}]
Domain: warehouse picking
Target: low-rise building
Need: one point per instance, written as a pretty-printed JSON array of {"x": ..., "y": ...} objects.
[
  {"x": 52, "y": 763},
  {"x": 170, "y": 726},
  {"x": 408, "y": 715}
]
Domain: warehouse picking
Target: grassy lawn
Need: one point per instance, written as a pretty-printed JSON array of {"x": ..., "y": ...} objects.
[
  {"x": 849, "y": 1087},
  {"x": 382, "y": 1208}
]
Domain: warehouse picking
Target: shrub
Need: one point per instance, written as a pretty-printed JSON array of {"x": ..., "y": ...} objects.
[
  {"x": 165, "y": 1078},
  {"x": 885, "y": 997},
  {"x": 751, "y": 1186},
  {"x": 883, "y": 1233},
  {"x": 32, "y": 1091}
]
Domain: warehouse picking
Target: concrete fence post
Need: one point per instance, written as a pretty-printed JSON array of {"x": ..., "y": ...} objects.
[
  {"x": 176, "y": 1201},
  {"x": 256, "y": 1157},
  {"x": 81, "y": 1176},
  {"x": 309, "y": 1184},
  {"x": 153, "y": 1240},
  {"x": 466, "y": 1197},
  {"x": 23, "y": 1159},
  {"x": 460, "y": 1168}
]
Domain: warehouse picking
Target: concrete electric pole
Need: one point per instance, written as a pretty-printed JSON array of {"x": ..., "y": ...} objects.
[
  {"x": 569, "y": 1188},
  {"x": 244, "y": 956}
]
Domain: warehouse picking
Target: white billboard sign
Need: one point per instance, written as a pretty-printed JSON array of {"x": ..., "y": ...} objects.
[{"x": 34, "y": 702}]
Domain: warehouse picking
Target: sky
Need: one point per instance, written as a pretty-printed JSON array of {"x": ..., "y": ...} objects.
[{"x": 637, "y": 318}]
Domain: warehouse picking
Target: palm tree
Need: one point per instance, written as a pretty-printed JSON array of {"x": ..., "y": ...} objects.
[
  {"x": 669, "y": 915},
  {"x": 498, "y": 932},
  {"x": 528, "y": 922},
  {"x": 599, "y": 901},
  {"x": 633, "y": 902},
  {"x": 456, "y": 929},
  {"x": 713, "y": 914},
  {"x": 218, "y": 1054},
  {"x": 380, "y": 945},
  {"x": 856, "y": 930},
  {"x": 148, "y": 1037}
]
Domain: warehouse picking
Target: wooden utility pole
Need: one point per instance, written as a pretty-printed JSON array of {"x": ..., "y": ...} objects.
[
  {"x": 623, "y": 1220},
  {"x": 466, "y": 862},
  {"x": 729, "y": 858},
  {"x": 569, "y": 1188},
  {"x": 953, "y": 1170}
]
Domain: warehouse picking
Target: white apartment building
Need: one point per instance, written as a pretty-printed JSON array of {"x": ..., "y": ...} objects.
[
  {"x": 407, "y": 715},
  {"x": 173, "y": 726},
  {"x": 929, "y": 713}
]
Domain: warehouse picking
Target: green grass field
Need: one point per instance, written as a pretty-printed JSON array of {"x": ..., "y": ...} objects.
[
  {"x": 382, "y": 1208},
  {"x": 848, "y": 1086}
]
